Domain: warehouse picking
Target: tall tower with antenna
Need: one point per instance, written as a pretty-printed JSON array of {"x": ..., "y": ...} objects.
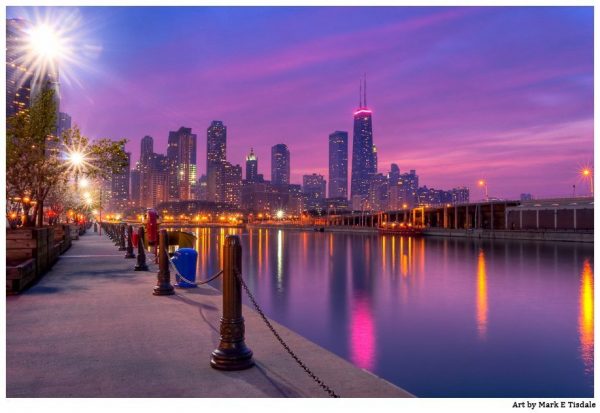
[{"x": 364, "y": 162}]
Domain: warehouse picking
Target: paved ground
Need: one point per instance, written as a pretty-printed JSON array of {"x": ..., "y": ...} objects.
[{"x": 92, "y": 328}]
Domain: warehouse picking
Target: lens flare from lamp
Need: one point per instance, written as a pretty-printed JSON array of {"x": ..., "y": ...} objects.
[
  {"x": 54, "y": 40},
  {"x": 76, "y": 158},
  {"x": 45, "y": 42}
]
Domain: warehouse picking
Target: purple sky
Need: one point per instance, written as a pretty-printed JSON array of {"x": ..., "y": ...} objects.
[{"x": 457, "y": 93}]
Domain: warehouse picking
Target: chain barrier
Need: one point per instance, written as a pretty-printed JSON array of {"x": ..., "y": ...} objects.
[
  {"x": 308, "y": 371},
  {"x": 192, "y": 282},
  {"x": 320, "y": 382}
]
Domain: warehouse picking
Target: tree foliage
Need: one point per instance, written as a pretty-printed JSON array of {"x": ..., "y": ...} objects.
[
  {"x": 35, "y": 160},
  {"x": 30, "y": 172}
]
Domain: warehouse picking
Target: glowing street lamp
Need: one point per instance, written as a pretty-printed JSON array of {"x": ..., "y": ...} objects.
[
  {"x": 279, "y": 214},
  {"x": 55, "y": 38},
  {"x": 45, "y": 43},
  {"x": 587, "y": 173},
  {"x": 76, "y": 159},
  {"x": 483, "y": 183}
]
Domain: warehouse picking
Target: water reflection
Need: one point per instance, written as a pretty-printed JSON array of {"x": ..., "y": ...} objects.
[
  {"x": 393, "y": 255},
  {"x": 404, "y": 257},
  {"x": 406, "y": 308},
  {"x": 586, "y": 316},
  {"x": 260, "y": 253},
  {"x": 362, "y": 337},
  {"x": 482, "y": 296},
  {"x": 279, "y": 259}
]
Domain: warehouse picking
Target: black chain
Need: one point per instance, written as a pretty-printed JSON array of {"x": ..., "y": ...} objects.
[
  {"x": 193, "y": 282},
  {"x": 278, "y": 337}
]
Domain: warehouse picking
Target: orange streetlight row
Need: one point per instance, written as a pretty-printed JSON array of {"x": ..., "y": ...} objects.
[{"x": 586, "y": 173}]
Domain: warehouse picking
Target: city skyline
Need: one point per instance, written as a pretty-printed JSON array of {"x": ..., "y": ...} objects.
[{"x": 454, "y": 106}]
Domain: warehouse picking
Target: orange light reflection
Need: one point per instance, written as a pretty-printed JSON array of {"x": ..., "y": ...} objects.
[
  {"x": 586, "y": 317},
  {"x": 482, "y": 296}
]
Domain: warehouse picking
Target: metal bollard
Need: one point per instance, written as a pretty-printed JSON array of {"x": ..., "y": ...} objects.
[
  {"x": 163, "y": 282},
  {"x": 116, "y": 234},
  {"x": 122, "y": 237},
  {"x": 232, "y": 353},
  {"x": 129, "y": 253},
  {"x": 141, "y": 257}
]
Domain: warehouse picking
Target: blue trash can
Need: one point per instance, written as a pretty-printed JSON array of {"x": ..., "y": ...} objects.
[{"x": 184, "y": 260}]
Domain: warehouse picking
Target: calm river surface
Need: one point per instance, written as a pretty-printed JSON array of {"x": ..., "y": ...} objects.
[{"x": 439, "y": 317}]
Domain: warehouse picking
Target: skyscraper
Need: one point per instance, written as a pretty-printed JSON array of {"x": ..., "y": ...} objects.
[
  {"x": 374, "y": 159},
  {"x": 313, "y": 186},
  {"x": 173, "y": 169},
  {"x": 147, "y": 148},
  {"x": 394, "y": 174},
  {"x": 378, "y": 193},
  {"x": 201, "y": 188},
  {"x": 146, "y": 168},
  {"x": 18, "y": 77},
  {"x": 181, "y": 155},
  {"x": 159, "y": 180},
  {"x": 154, "y": 174},
  {"x": 338, "y": 165},
  {"x": 280, "y": 165},
  {"x": 135, "y": 185},
  {"x": 120, "y": 187},
  {"x": 229, "y": 183},
  {"x": 63, "y": 123},
  {"x": 216, "y": 146},
  {"x": 186, "y": 166},
  {"x": 251, "y": 167},
  {"x": 409, "y": 186},
  {"x": 364, "y": 154},
  {"x": 24, "y": 79},
  {"x": 394, "y": 190}
]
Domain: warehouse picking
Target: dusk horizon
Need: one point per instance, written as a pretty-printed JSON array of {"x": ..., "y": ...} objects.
[{"x": 457, "y": 93}]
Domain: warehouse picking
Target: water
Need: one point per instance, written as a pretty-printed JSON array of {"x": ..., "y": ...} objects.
[{"x": 439, "y": 317}]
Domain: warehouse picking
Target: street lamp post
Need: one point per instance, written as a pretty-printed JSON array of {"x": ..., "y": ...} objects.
[
  {"x": 100, "y": 212},
  {"x": 483, "y": 183},
  {"x": 587, "y": 173}
]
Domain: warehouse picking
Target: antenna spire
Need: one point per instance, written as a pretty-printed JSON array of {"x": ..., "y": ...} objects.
[
  {"x": 365, "y": 90},
  {"x": 360, "y": 93}
]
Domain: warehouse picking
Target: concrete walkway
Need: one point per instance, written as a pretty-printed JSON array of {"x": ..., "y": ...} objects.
[{"x": 92, "y": 328}]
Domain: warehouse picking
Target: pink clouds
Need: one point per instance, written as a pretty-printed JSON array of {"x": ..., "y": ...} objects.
[{"x": 456, "y": 92}]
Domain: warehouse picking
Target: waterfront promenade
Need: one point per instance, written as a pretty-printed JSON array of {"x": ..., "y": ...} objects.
[{"x": 92, "y": 328}]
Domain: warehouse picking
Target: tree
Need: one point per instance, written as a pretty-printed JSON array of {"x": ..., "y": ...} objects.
[
  {"x": 29, "y": 172},
  {"x": 60, "y": 199},
  {"x": 35, "y": 164}
]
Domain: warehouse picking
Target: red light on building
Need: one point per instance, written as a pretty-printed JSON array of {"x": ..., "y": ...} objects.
[{"x": 361, "y": 111}]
